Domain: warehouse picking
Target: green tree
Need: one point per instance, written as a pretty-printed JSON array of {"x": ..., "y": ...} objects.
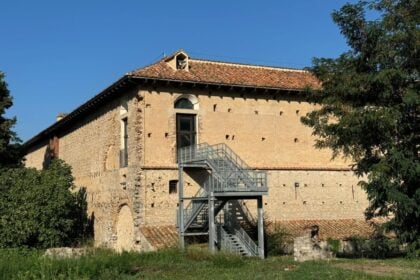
[
  {"x": 370, "y": 108},
  {"x": 10, "y": 148},
  {"x": 38, "y": 209}
]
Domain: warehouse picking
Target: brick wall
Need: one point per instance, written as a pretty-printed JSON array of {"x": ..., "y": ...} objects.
[
  {"x": 265, "y": 131},
  {"x": 36, "y": 156},
  {"x": 92, "y": 148}
]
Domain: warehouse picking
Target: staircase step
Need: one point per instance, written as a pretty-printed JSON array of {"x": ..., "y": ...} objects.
[{"x": 195, "y": 233}]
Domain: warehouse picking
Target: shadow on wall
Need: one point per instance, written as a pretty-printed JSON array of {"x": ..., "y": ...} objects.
[
  {"x": 84, "y": 224},
  {"x": 48, "y": 157},
  {"x": 89, "y": 233},
  {"x": 198, "y": 176}
]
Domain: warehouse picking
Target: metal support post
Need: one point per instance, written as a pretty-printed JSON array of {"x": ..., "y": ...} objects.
[
  {"x": 181, "y": 206},
  {"x": 260, "y": 228},
  {"x": 212, "y": 229}
]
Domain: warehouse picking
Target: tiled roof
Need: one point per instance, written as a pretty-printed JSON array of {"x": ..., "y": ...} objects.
[
  {"x": 214, "y": 72},
  {"x": 336, "y": 229},
  {"x": 161, "y": 237},
  {"x": 205, "y": 72}
]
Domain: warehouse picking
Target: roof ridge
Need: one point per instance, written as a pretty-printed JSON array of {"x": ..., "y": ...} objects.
[
  {"x": 154, "y": 62},
  {"x": 250, "y": 65},
  {"x": 132, "y": 72}
]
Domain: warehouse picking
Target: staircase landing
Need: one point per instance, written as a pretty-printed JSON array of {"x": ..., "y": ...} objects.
[{"x": 228, "y": 178}]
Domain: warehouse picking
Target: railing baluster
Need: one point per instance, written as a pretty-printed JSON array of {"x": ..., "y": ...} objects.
[{"x": 228, "y": 172}]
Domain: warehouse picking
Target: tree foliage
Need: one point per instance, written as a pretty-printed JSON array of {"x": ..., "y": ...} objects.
[
  {"x": 10, "y": 148},
  {"x": 370, "y": 108},
  {"x": 38, "y": 209}
]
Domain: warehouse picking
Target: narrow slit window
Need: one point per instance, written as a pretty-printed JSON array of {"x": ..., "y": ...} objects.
[
  {"x": 173, "y": 184},
  {"x": 124, "y": 143}
]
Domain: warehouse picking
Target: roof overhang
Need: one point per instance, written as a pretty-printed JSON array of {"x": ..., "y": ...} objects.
[
  {"x": 129, "y": 80},
  {"x": 80, "y": 111},
  {"x": 217, "y": 86}
]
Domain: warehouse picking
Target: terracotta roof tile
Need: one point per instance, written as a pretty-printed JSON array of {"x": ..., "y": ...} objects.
[
  {"x": 161, "y": 237},
  {"x": 204, "y": 71},
  {"x": 336, "y": 229},
  {"x": 200, "y": 71}
]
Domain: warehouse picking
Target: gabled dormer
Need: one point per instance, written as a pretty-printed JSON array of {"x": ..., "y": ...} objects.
[{"x": 178, "y": 61}]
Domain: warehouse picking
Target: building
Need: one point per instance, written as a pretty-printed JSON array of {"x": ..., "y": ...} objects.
[{"x": 124, "y": 147}]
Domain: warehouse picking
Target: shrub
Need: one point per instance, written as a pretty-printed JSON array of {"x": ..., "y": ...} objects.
[
  {"x": 38, "y": 209},
  {"x": 376, "y": 247},
  {"x": 334, "y": 245},
  {"x": 277, "y": 240}
]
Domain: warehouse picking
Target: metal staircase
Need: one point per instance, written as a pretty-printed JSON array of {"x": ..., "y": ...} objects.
[
  {"x": 230, "y": 172},
  {"x": 227, "y": 182},
  {"x": 237, "y": 242},
  {"x": 241, "y": 215}
]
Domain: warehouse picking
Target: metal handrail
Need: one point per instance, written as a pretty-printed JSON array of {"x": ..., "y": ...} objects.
[
  {"x": 194, "y": 207},
  {"x": 191, "y": 214},
  {"x": 235, "y": 173},
  {"x": 200, "y": 193},
  {"x": 245, "y": 211},
  {"x": 215, "y": 182},
  {"x": 227, "y": 244},
  {"x": 246, "y": 240},
  {"x": 232, "y": 172},
  {"x": 228, "y": 172},
  {"x": 233, "y": 226},
  {"x": 246, "y": 243}
]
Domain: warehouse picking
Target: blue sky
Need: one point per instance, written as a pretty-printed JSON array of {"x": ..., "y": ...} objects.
[{"x": 58, "y": 54}]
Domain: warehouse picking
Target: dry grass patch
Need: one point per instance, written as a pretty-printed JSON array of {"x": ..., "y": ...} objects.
[{"x": 381, "y": 269}]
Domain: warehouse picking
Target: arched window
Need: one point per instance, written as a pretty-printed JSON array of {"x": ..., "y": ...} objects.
[{"x": 184, "y": 103}]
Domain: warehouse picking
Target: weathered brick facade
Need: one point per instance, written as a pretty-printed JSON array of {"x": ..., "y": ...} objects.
[{"x": 261, "y": 126}]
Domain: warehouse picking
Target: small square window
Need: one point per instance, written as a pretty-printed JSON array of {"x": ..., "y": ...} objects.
[{"x": 173, "y": 184}]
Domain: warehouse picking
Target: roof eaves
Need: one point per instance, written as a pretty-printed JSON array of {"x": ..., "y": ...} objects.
[
  {"x": 100, "y": 97},
  {"x": 91, "y": 103},
  {"x": 232, "y": 85}
]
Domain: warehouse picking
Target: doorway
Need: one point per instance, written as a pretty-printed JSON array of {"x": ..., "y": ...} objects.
[{"x": 185, "y": 130}]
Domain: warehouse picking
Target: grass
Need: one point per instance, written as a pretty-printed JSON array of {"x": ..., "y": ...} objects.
[{"x": 195, "y": 263}]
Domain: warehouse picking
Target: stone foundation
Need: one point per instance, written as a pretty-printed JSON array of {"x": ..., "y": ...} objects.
[{"x": 309, "y": 247}]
